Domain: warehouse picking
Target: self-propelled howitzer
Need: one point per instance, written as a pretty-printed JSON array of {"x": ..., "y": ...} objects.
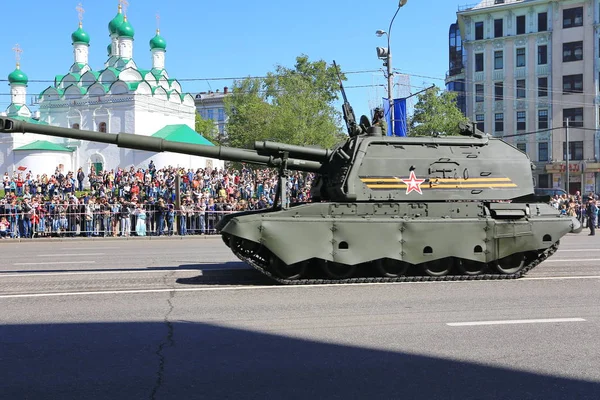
[{"x": 382, "y": 208}]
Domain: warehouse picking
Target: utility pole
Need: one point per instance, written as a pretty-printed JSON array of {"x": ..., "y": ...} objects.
[
  {"x": 385, "y": 53},
  {"x": 567, "y": 180}
]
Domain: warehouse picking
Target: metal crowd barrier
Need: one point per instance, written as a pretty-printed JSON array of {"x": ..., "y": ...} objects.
[{"x": 147, "y": 221}]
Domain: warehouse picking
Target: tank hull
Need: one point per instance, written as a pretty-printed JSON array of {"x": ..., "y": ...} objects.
[{"x": 419, "y": 238}]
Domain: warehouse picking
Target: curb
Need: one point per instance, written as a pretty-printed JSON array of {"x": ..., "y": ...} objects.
[{"x": 109, "y": 239}]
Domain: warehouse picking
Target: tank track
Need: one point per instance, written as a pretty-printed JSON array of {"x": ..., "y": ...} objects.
[{"x": 253, "y": 259}]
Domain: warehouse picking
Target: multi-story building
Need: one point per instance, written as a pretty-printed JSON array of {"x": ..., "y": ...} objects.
[
  {"x": 528, "y": 67},
  {"x": 211, "y": 105}
]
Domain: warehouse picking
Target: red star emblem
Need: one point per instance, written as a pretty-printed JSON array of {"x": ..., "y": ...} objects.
[{"x": 413, "y": 183}]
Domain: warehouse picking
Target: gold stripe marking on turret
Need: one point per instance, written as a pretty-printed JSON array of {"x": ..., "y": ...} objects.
[
  {"x": 434, "y": 180},
  {"x": 456, "y": 186}
]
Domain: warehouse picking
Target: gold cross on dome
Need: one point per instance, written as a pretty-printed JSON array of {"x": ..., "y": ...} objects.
[
  {"x": 17, "y": 49},
  {"x": 124, "y": 4},
  {"x": 157, "y": 21},
  {"x": 80, "y": 12}
]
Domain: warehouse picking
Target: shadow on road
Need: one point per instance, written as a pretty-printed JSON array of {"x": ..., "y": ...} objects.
[{"x": 201, "y": 361}]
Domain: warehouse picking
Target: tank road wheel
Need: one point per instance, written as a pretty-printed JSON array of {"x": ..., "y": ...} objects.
[
  {"x": 336, "y": 270},
  {"x": 510, "y": 264},
  {"x": 246, "y": 247},
  {"x": 470, "y": 267},
  {"x": 284, "y": 271},
  {"x": 391, "y": 268},
  {"x": 439, "y": 267}
]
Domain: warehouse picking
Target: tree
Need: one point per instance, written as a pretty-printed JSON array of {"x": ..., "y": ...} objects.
[
  {"x": 292, "y": 106},
  {"x": 436, "y": 113},
  {"x": 207, "y": 128}
]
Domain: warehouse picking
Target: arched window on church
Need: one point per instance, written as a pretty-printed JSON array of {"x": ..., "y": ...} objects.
[
  {"x": 75, "y": 126},
  {"x": 102, "y": 127}
]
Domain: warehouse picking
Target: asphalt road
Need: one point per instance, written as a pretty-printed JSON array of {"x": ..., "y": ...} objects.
[{"x": 162, "y": 319}]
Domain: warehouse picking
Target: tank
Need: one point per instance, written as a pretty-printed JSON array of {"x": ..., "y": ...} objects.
[{"x": 383, "y": 208}]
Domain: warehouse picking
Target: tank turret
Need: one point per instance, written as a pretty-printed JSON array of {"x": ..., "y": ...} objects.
[{"x": 382, "y": 208}]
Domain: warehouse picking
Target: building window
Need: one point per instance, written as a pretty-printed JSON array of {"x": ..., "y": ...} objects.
[
  {"x": 573, "y": 84},
  {"x": 479, "y": 62},
  {"x": 544, "y": 180},
  {"x": 542, "y": 119},
  {"x": 498, "y": 28},
  {"x": 479, "y": 121},
  {"x": 572, "y": 17},
  {"x": 572, "y": 51},
  {"x": 498, "y": 59},
  {"x": 521, "y": 57},
  {"x": 478, "y": 93},
  {"x": 543, "y": 87},
  {"x": 75, "y": 126},
  {"x": 221, "y": 114},
  {"x": 522, "y": 146},
  {"x": 498, "y": 91},
  {"x": 499, "y": 122},
  {"x": 574, "y": 115},
  {"x": 543, "y": 151},
  {"x": 575, "y": 150},
  {"x": 542, "y": 22},
  {"x": 521, "y": 120},
  {"x": 102, "y": 127},
  {"x": 542, "y": 55},
  {"x": 478, "y": 30},
  {"x": 520, "y": 24},
  {"x": 210, "y": 114},
  {"x": 498, "y": 1},
  {"x": 521, "y": 89}
]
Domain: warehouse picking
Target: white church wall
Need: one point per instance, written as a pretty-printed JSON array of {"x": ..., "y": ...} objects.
[
  {"x": 43, "y": 162},
  {"x": 166, "y": 159}
]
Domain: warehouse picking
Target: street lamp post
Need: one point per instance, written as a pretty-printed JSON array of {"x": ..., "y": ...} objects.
[{"x": 386, "y": 54}]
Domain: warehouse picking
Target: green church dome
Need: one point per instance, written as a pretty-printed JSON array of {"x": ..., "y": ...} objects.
[
  {"x": 158, "y": 42},
  {"x": 80, "y": 36},
  {"x": 18, "y": 77},
  {"x": 114, "y": 24},
  {"x": 125, "y": 29}
]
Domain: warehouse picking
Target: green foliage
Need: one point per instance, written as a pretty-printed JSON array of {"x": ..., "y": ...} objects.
[
  {"x": 436, "y": 113},
  {"x": 207, "y": 128},
  {"x": 292, "y": 106}
]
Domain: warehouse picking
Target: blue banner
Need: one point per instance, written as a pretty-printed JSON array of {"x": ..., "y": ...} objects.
[{"x": 399, "y": 116}]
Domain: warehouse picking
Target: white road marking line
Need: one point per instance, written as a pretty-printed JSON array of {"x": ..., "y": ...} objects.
[
  {"x": 274, "y": 287},
  {"x": 71, "y": 255},
  {"x": 553, "y": 260},
  {"x": 583, "y": 250},
  {"x": 27, "y": 274},
  {"x": 516, "y": 321},
  {"x": 558, "y": 278},
  {"x": 89, "y": 248},
  {"x": 57, "y": 262}
]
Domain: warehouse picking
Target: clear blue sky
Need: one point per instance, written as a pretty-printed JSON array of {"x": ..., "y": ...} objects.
[{"x": 207, "y": 40}]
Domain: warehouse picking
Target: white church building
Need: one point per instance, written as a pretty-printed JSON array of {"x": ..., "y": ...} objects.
[{"x": 118, "y": 98}]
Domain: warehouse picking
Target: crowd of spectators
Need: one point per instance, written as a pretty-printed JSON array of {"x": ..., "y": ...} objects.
[
  {"x": 578, "y": 206},
  {"x": 136, "y": 201}
]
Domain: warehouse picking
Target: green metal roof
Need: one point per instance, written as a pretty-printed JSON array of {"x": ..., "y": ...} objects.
[
  {"x": 181, "y": 133},
  {"x": 27, "y": 119},
  {"x": 43, "y": 145}
]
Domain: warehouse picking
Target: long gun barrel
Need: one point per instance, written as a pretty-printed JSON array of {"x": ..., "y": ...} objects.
[
  {"x": 305, "y": 153},
  {"x": 154, "y": 144}
]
